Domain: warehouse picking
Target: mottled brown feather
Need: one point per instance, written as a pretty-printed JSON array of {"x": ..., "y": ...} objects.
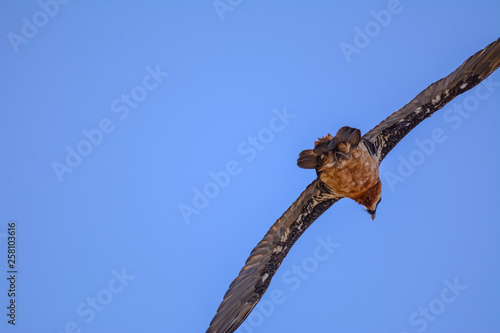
[
  {"x": 386, "y": 135},
  {"x": 265, "y": 259}
]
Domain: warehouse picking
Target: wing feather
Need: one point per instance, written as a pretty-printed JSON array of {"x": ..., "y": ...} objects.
[
  {"x": 254, "y": 278},
  {"x": 476, "y": 68}
]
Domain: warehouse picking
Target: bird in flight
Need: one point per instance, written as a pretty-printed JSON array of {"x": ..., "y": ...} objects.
[{"x": 346, "y": 167}]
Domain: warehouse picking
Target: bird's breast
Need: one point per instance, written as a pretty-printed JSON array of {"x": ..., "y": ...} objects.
[{"x": 351, "y": 176}]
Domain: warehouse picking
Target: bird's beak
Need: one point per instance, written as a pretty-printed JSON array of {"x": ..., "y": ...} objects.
[{"x": 372, "y": 214}]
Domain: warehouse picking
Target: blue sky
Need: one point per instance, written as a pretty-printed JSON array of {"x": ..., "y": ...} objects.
[{"x": 116, "y": 115}]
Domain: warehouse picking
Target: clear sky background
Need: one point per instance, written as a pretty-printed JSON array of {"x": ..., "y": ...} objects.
[{"x": 116, "y": 115}]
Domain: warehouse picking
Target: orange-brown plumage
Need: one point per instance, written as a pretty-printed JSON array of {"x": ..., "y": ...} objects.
[
  {"x": 324, "y": 139},
  {"x": 346, "y": 165}
]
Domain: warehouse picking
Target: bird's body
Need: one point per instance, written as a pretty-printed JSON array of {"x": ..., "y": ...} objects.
[
  {"x": 347, "y": 167},
  {"x": 351, "y": 177}
]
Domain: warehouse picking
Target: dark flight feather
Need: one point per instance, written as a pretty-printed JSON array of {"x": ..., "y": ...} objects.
[
  {"x": 265, "y": 259},
  {"x": 386, "y": 135}
]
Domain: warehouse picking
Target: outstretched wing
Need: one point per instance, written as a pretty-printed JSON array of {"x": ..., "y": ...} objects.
[
  {"x": 265, "y": 259},
  {"x": 389, "y": 132}
]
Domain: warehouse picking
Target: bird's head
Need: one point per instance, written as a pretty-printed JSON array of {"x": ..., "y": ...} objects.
[{"x": 371, "y": 198}]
